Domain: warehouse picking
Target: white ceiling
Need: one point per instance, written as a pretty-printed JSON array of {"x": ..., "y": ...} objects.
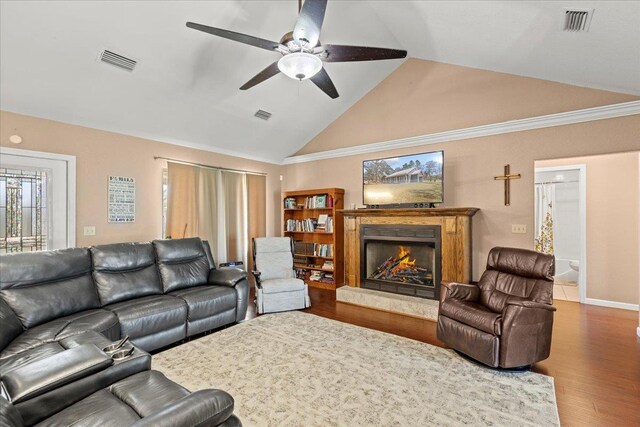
[{"x": 185, "y": 87}]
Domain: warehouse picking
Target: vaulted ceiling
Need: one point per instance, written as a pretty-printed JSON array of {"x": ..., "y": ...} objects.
[{"x": 184, "y": 89}]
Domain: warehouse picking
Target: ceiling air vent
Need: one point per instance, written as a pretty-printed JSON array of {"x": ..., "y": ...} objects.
[
  {"x": 118, "y": 60},
  {"x": 577, "y": 19},
  {"x": 264, "y": 115}
]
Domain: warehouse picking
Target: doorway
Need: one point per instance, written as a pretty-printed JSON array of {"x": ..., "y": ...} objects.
[
  {"x": 37, "y": 201},
  {"x": 560, "y": 226}
]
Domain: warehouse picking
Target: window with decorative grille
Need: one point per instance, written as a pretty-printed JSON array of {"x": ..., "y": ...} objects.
[{"x": 23, "y": 210}]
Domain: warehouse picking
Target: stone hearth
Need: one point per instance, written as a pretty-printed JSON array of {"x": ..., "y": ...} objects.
[{"x": 395, "y": 303}]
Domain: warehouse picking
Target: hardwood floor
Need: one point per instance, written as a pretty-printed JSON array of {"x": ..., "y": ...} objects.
[{"x": 595, "y": 355}]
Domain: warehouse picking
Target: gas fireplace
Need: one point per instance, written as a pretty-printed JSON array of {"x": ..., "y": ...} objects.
[{"x": 403, "y": 259}]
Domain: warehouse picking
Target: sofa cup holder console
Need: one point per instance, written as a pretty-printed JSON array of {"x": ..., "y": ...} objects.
[{"x": 122, "y": 354}]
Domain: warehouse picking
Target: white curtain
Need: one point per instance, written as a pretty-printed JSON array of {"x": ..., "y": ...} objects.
[
  {"x": 210, "y": 204},
  {"x": 544, "y": 218},
  {"x": 235, "y": 226}
]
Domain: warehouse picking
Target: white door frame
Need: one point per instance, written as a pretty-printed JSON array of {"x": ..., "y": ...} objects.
[
  {"x": 71, "y": 183},
  {"x": 582, "y": 190}
]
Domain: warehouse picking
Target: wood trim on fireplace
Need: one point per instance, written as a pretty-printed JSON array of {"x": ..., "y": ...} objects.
[{"x": 455, "y": 225}]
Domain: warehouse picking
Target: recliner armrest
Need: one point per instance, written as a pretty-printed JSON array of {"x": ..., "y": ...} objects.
[
  {"x": 41, "y": 376},
  {"x": 226, "y": 276},
  {"x": 204, "y": 407},
  {"x": 461, "y": 291},
  {"x": 532, "y": 304}
]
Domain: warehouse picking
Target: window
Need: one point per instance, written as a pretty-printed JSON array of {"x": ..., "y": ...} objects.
[{"x": 23, "y": 210}]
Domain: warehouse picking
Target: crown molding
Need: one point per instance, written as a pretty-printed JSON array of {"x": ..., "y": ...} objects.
[{"x": 559, "y": 119}]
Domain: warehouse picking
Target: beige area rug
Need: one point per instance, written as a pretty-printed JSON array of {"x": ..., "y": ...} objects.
[
  {"x": 297, "y": 369},
  {"x": 395, "y": 303}
]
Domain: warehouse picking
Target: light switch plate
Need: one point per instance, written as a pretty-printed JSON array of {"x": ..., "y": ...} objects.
[
  {"x": 90, "y": 230},
  {"x": 519, "y": 228}
]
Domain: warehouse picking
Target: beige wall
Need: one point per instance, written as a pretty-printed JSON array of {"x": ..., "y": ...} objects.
[
  {"x": 423, "y": 97},
  {"x": 100, "y": 154},
  {"x": 470, "y": 166},
  {"x": 613, "y": 224}
]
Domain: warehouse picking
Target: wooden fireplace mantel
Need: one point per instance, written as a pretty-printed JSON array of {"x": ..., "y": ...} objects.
[
  {"x": 411, "y": 212},
  {"x": 455, "y": 226}
]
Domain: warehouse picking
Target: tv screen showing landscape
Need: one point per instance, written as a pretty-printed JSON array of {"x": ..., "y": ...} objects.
[{"x": 412, "y": 179}]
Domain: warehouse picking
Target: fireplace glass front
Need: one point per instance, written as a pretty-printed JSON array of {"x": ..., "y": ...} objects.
[{"x": 403, "y": 260}]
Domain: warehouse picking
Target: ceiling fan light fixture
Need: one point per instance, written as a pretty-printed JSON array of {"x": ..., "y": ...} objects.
[{"x": 300, "y": 65}]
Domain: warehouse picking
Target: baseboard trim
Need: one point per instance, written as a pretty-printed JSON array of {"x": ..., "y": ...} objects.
[{"x": 611, "y": 304}]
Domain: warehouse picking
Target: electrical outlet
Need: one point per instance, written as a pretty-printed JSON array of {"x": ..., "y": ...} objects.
[
  {"x": 519, "y": 228},
  {"x": 90, "y": 230}
]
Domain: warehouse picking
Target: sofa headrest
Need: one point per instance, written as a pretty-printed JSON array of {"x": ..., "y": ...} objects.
[
  {"x": 522, "y": 262},
  {"x": 122, "y": 256},
  {"x": 177, "y": 250},
  {"x": 182, "y": 263},
  {"x": 40, "y": 267}
]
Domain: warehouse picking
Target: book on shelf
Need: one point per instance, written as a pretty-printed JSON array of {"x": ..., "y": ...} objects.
[
  {"x": 325, "y": 250},
  {"x": 329, "y": 225},
  {"x": 303, "y": 274},
  {"x": 319, "y": 276},
  {"x": 290, "y": 203},
  {"x": 308, "y": 224},
  {"x": 328, "y": 265},
  {"x": 315, "y": 275},
  {"x": 319, "y": 201},
  {"x": 300, "y": 259},
  {"x": 327, "y": 278},
  {"x": 322, "y": 222}
]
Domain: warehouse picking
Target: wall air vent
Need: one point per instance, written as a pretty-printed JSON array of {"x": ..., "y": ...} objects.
[
  {"x": 119, "y": 61},
  {"x": 577, "y": 20},
  {"x": 264, "y": 115}
]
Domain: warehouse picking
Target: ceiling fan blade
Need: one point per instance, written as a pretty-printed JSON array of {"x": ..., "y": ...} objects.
[
  {"x": 263, "y": 75},
  {"x": 341, "y": 53},
  {"x": 309, "y": 23},
  {"x": 238, "y": 37},
  {"x": 323, "y": 81}
]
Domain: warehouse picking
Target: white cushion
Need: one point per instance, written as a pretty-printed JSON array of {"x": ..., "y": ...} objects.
[
  {"x": 273, "y": 257},
  {"x": 274, "y": 286},
  {"x": 272, "y": 244}
]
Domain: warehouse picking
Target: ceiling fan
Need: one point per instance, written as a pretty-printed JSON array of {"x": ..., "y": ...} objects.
[{"x": 302, "y": 53}]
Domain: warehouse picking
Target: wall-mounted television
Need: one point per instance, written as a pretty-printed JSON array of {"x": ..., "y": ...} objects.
[{"x": 413, "y": 180}]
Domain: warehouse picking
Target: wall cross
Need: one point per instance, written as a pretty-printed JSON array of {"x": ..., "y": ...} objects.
[{"x": 507, "y": 177}]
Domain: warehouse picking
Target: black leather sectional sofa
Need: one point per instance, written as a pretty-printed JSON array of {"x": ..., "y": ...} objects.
[{"x": 54, "y": 303}]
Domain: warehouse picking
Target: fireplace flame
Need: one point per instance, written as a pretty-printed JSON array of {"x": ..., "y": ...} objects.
[
  {"x": 402, "y": 268},
  {"x": 406, "y": 262}
]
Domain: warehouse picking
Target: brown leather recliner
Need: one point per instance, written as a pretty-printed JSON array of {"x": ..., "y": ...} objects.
[{"x": 506, "y": 320}]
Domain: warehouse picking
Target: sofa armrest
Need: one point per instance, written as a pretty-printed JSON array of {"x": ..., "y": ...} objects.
[
  {"x": 226, "y": 276},
  {"x": 460, "y": 291},
  {"x": 39, "y": 377},
  {"x": 204, "y": 407},
  {"x": 532, "y": 304}
]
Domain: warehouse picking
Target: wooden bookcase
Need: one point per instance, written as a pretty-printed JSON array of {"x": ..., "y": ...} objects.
[{"x": 303, "y": 212}]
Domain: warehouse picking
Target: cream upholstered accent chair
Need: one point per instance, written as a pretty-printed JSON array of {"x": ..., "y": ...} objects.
[{"x": 277, "y": 288}]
